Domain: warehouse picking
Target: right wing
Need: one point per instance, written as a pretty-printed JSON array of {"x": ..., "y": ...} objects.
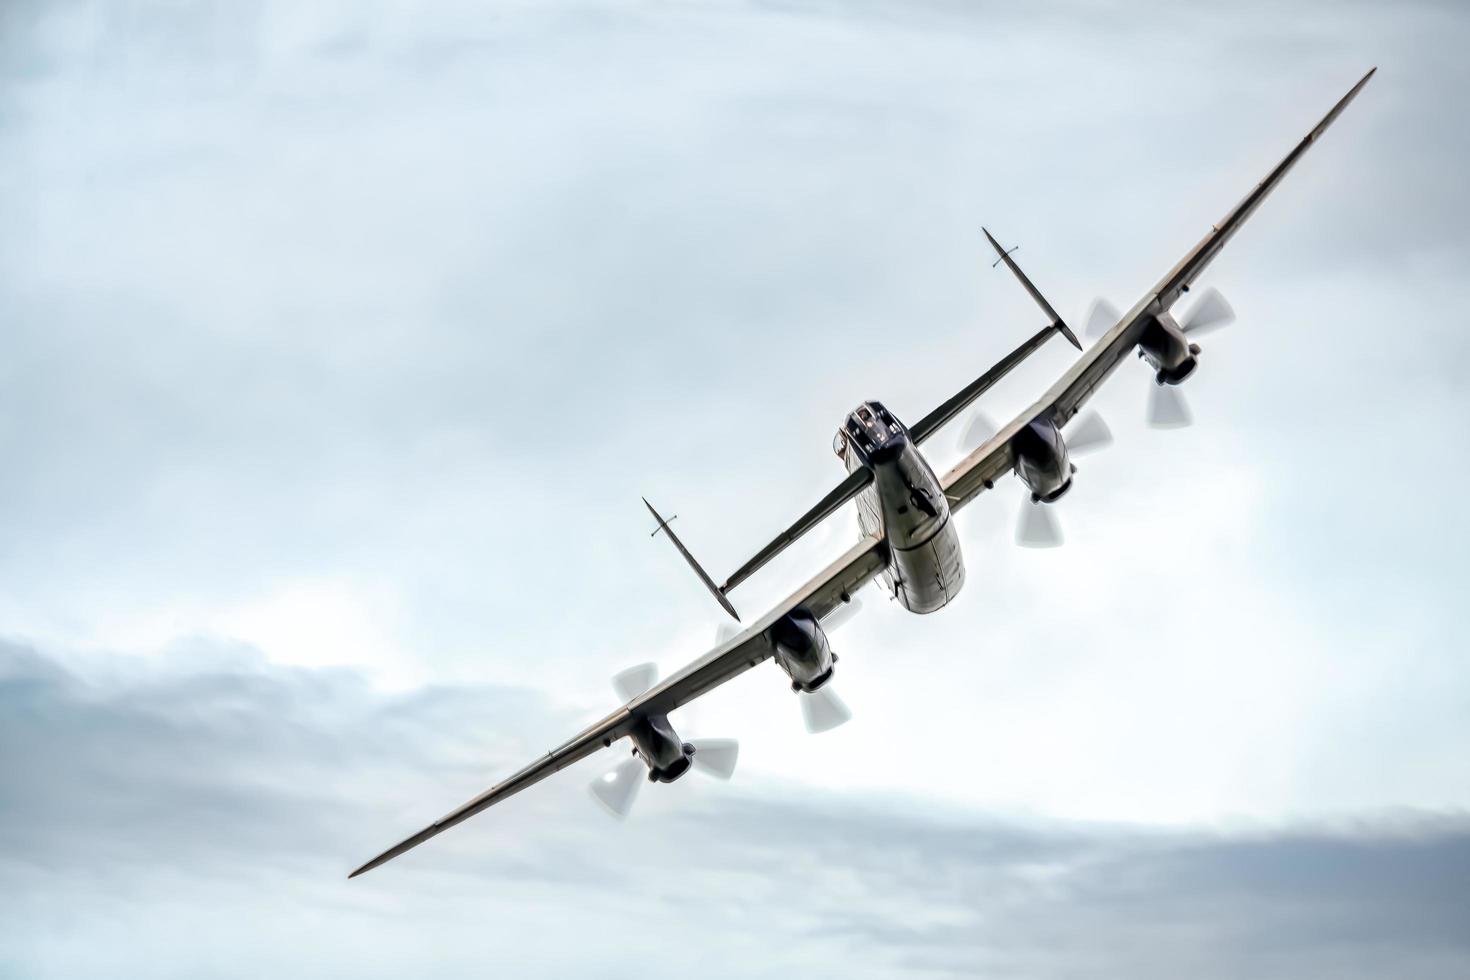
[
  {"x": 833, "y": 586},
  {"x": 859, "y": 478},
  {"x": 980, "y": 470},
  {"x": 824, "y": 593}
]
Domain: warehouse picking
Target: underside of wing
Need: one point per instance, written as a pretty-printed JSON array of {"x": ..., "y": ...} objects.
[
  {"x": 1192, "y": 265},
  {"x": 978, "y": 471},
  {"x": 606, "y": 731},
  {"x": 831, "y": 587},
  {"x": 828, "y": 590},
  {"x": 1063, "y": 400},
  {"x": 1066, "y": 398}
]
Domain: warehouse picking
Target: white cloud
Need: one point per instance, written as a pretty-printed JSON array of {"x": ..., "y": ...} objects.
[
  {"x": 357, "y": 334},
  {"x": 198, "y": 815}
]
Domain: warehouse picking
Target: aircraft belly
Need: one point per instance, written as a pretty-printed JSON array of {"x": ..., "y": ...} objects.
[{"x": 927, "y": 576}]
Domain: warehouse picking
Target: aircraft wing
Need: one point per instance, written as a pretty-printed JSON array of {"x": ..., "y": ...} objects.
[
  {"x": 824, "y": 593},
  {"x": 978, "y": 471}
]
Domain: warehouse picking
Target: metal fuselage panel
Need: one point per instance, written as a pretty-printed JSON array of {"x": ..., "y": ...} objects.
[{"x": 906, "y": 505}]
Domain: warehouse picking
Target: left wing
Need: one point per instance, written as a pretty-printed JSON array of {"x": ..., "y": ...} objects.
[
  {"x": 979, "y": 471},
  {"x": 832, "y": 587}
]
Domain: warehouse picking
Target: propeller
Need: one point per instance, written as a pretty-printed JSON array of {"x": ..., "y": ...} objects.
[
  {"x": 1210, "y": 312},
  {"x": 1088, "y": 434},
  {"x": 976, "y": 431},
  {"x": 715, "y": 756},
  {"x": 618, "y": 787},
  {"x": 1101, "y": 318},
  {"x": 1037, "y": 525},
  {"x": 1167, "y": 408},
  {"x": 822, "y": 710},
  {"x": 634, "y": 681}
]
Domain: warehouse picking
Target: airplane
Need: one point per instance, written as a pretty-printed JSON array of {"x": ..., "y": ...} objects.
[{"x": 905, "y": 512}]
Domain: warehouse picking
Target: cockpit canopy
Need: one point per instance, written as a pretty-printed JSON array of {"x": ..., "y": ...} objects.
[{"x": 869, "y": 428}]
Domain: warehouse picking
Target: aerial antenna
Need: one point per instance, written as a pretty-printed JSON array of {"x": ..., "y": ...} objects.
[{"x": 1003, "y": 255}]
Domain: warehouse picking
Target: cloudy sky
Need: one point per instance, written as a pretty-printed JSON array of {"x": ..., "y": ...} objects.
[{"x": 340, "y": 341}]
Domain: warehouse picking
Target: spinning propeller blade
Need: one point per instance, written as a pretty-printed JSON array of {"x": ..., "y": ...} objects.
[
  {"x": 618, "y": 788},
  {"x": 634, "y": 681},
  {"x": 1088, "y": 434},
  {"x": 1167, "y": 408},
  {"x": 715, "y": 756},
  {"x": 976, "y": 431},
  {"x": 823, "y": 710},
  {"x": 1037, "y": 527},
  {"x": 1101, "y": 318},
  {"x": 1210, "y": 312}
]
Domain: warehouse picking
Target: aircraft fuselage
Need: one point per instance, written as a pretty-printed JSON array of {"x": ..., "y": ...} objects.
[{"x": 906, "y": 506}]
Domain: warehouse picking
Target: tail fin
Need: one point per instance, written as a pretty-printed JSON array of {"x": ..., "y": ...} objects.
[
  {"x": 663, "y": 526},
  {"x": 1057, "y": 323}
]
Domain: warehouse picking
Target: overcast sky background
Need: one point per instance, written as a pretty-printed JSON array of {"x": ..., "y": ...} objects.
[{"x": 340, "y": 341}]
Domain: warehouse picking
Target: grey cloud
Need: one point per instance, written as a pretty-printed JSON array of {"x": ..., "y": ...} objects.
[
  {"x": 426, "y": 297},
  {"x": 302, "y": 287},
  {"x": 135, "y": 787}
]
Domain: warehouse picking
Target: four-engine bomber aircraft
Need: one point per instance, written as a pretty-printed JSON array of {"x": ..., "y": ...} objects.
[{"x": 905, "y": 511}]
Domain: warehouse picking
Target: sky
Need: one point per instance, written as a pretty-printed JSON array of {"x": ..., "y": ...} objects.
[{"x": 341, "y": 340}]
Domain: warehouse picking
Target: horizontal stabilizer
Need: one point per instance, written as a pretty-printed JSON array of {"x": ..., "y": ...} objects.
[
  {"x": 929, "y": 424},
  {"x": 850, "y": 487}
]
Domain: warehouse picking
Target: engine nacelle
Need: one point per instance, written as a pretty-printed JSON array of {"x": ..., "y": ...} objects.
[
  {"x": 1041, "y": 460},
  {"x": 660, "y": 748},
  {"x": 802, "y": 650},
  {"x": 1166, "y": 349}
]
